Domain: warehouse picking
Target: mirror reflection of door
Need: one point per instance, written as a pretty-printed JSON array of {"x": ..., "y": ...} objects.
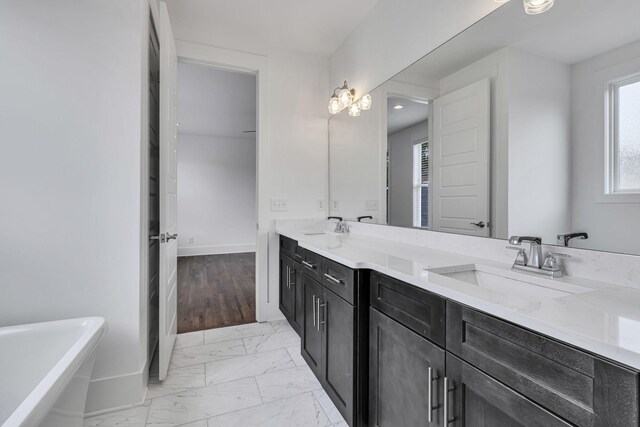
[
  {"x": 408, "y": 161},
  {"x": 460, "y": 161}
]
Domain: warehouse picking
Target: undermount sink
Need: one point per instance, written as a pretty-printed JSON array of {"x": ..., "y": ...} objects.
[{"x": 509, "y": 282}]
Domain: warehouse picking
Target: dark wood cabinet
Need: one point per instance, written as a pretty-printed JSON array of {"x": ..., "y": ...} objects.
[
  {"x": 287, "y": 286},
  {"x": 406, "y": 372},
  {"x": 577, "y": 386},
  {"x": 475, "y": 399},
  {"x": 311, "y": 333},
  {"x": 337, "y": 323}
]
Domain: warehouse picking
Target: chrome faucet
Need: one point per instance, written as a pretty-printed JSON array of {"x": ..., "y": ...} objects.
[
  {"x": 533, "y": 262},
  {"x": 341, "y": 227},
  {"x": 564, "y": 239},
  {"x": 535, "y": 252}
]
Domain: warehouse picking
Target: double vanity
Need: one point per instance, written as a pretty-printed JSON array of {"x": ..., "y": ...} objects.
[{"x": 405, "y": 335}]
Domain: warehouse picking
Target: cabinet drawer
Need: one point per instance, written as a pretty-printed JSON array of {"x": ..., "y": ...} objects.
[
  {"x": 579, "y": 387},
  {"x": 311, "y": 263},
  {"x": 339, "y": 279},
  {"x": 289, "y": 247},
  {"x": 419, "y": 310}
]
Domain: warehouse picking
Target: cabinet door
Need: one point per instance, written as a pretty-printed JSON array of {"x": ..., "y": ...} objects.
[
  {"x": 286, "y": 290},
  {"x": 311, "y": 334},
  {"x": 400, "y": 386},
  {"x": 337, "y": 324},
  {"x": 477, "y": 400},
  {"x": 298, "y": 301}
]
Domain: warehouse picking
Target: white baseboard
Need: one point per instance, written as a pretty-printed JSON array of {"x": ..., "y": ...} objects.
[
  {"x": 216, "y": 250},
  {"x": 113, "y": 393}
]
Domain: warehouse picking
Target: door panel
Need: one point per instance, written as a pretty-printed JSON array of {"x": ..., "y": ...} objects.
[
  {"x": 399, "y": 362},
  {"x": 168, "y": 193},
  {"x": 459, "y": 160},
  {"x": 477, "y": 400},
  {"x": 311, "y": 335},
  {"x": 286, "y": 291},
  {"x": 338, "y": 326}
]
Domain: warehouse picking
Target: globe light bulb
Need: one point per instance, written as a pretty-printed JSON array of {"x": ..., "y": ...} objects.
[
  {"x": 334, "y": 105},
  {"x": 354, "y": 110},
  {"x": 365, "y": 102},
  {"x": 534, "y": 7},
  {"x": 345, "y": 96}
]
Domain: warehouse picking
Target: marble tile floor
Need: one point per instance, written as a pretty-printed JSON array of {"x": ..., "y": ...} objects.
[{"x": 247, "y": 375}]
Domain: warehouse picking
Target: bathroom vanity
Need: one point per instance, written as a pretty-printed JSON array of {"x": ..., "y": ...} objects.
[{"x": 397, "y": 336}]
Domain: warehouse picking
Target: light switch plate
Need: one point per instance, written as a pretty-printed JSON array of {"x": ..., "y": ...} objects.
[
  {"x": 279, "y": 205},
  {"x": 371, "y": 205}
]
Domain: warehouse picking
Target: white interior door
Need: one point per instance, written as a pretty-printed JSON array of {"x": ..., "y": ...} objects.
[
  {"x": 168, "y": 287},
  {"x": 459, "y": 157}
]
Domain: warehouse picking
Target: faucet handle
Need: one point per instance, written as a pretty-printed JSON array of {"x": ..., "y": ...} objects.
[
  {"x": 521, "y": 258},
  {"x": 551, "y": 262}
]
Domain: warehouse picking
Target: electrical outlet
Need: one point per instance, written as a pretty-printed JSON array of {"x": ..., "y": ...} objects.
[
  {"x": 191, "y": 239},
  {"x": 335, "y": 204},
  {"x": 320, "y": 204},
  {"x": 279, "y": 205},
  {"x": 371, "y": 205}
]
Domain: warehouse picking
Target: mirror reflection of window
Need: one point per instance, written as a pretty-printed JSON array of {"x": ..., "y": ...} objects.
[
  {"x": 625, "y": 133},
  {"x": 407, "y": 165},
  {"x": 421, "y": 185}
]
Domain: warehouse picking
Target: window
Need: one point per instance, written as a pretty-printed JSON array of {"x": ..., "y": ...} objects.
[
  {"x": 624, "y": 140},
  {"x": 421, "y": 184}
]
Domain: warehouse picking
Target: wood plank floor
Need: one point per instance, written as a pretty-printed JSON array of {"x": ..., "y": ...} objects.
[{"x": 216, "y": 291}]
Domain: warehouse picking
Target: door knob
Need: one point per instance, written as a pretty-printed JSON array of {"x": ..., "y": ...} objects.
[
  {"x": 480, "y": 224},
  {"x": 172, "y": 236}
]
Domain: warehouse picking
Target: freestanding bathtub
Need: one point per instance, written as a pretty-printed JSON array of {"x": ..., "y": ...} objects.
[{"x": 45, "y": 370}]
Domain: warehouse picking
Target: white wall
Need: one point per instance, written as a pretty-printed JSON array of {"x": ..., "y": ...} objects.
[
  {"x": 216, "y": 195},
  {"x": 70, "y": 114},
  {"x": 401, "y": 173},
  {"x": 539, "y": 146},
  {"x": 610, "y": 221},
  {"x": 397, "y": 33}
]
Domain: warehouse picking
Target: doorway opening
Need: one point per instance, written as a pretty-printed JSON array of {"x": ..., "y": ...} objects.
[{"x": 217, "y": 154}]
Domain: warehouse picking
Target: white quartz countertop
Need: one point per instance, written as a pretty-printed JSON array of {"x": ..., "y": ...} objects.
[{"x": 603, "y": 319}]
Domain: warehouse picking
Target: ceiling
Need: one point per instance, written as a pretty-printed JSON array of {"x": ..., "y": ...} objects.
[
  {"x": 570, "y": 32},
  {"x": 413, "y": 112},
  {"x": 260, "y": 26},
  {"x": 216, "y": 102}
]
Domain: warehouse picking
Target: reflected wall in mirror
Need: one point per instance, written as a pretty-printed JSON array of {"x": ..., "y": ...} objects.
[{"x": 520, "y": 125}]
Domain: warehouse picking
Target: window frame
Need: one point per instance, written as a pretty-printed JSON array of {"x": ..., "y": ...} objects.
[
  {"x": 612, "y": 162},
  {"x": 417, "y": 187}
]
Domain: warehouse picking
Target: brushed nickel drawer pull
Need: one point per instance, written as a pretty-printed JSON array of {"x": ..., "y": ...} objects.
[
  {"x": 308, "y": 265},
  {"x": 333, "y": 279}
]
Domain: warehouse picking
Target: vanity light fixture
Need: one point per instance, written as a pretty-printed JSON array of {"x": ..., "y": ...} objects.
[
  {"x": 534, "y": 7},
  {"x": 343, "y": 97}
]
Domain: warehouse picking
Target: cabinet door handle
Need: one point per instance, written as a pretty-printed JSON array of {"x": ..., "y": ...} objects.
[
  {"x": 314, "y": 310},
  {"x": 308, "y": 265},
  {"x": 318, "y": 313},
  {"x": 324, "y": 318},
  {"x": 430, "y": 394},
  {"x": 447, "y": 390},
  {"x": 333, "y": 279},
  {"x": 288, "y": 277}
]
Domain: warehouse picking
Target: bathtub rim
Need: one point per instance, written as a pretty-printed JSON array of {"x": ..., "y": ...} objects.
[{"x": 44, "y": 395}]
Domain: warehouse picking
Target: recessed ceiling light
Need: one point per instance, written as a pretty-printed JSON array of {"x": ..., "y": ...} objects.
[{"x": 398, "y": 107}]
